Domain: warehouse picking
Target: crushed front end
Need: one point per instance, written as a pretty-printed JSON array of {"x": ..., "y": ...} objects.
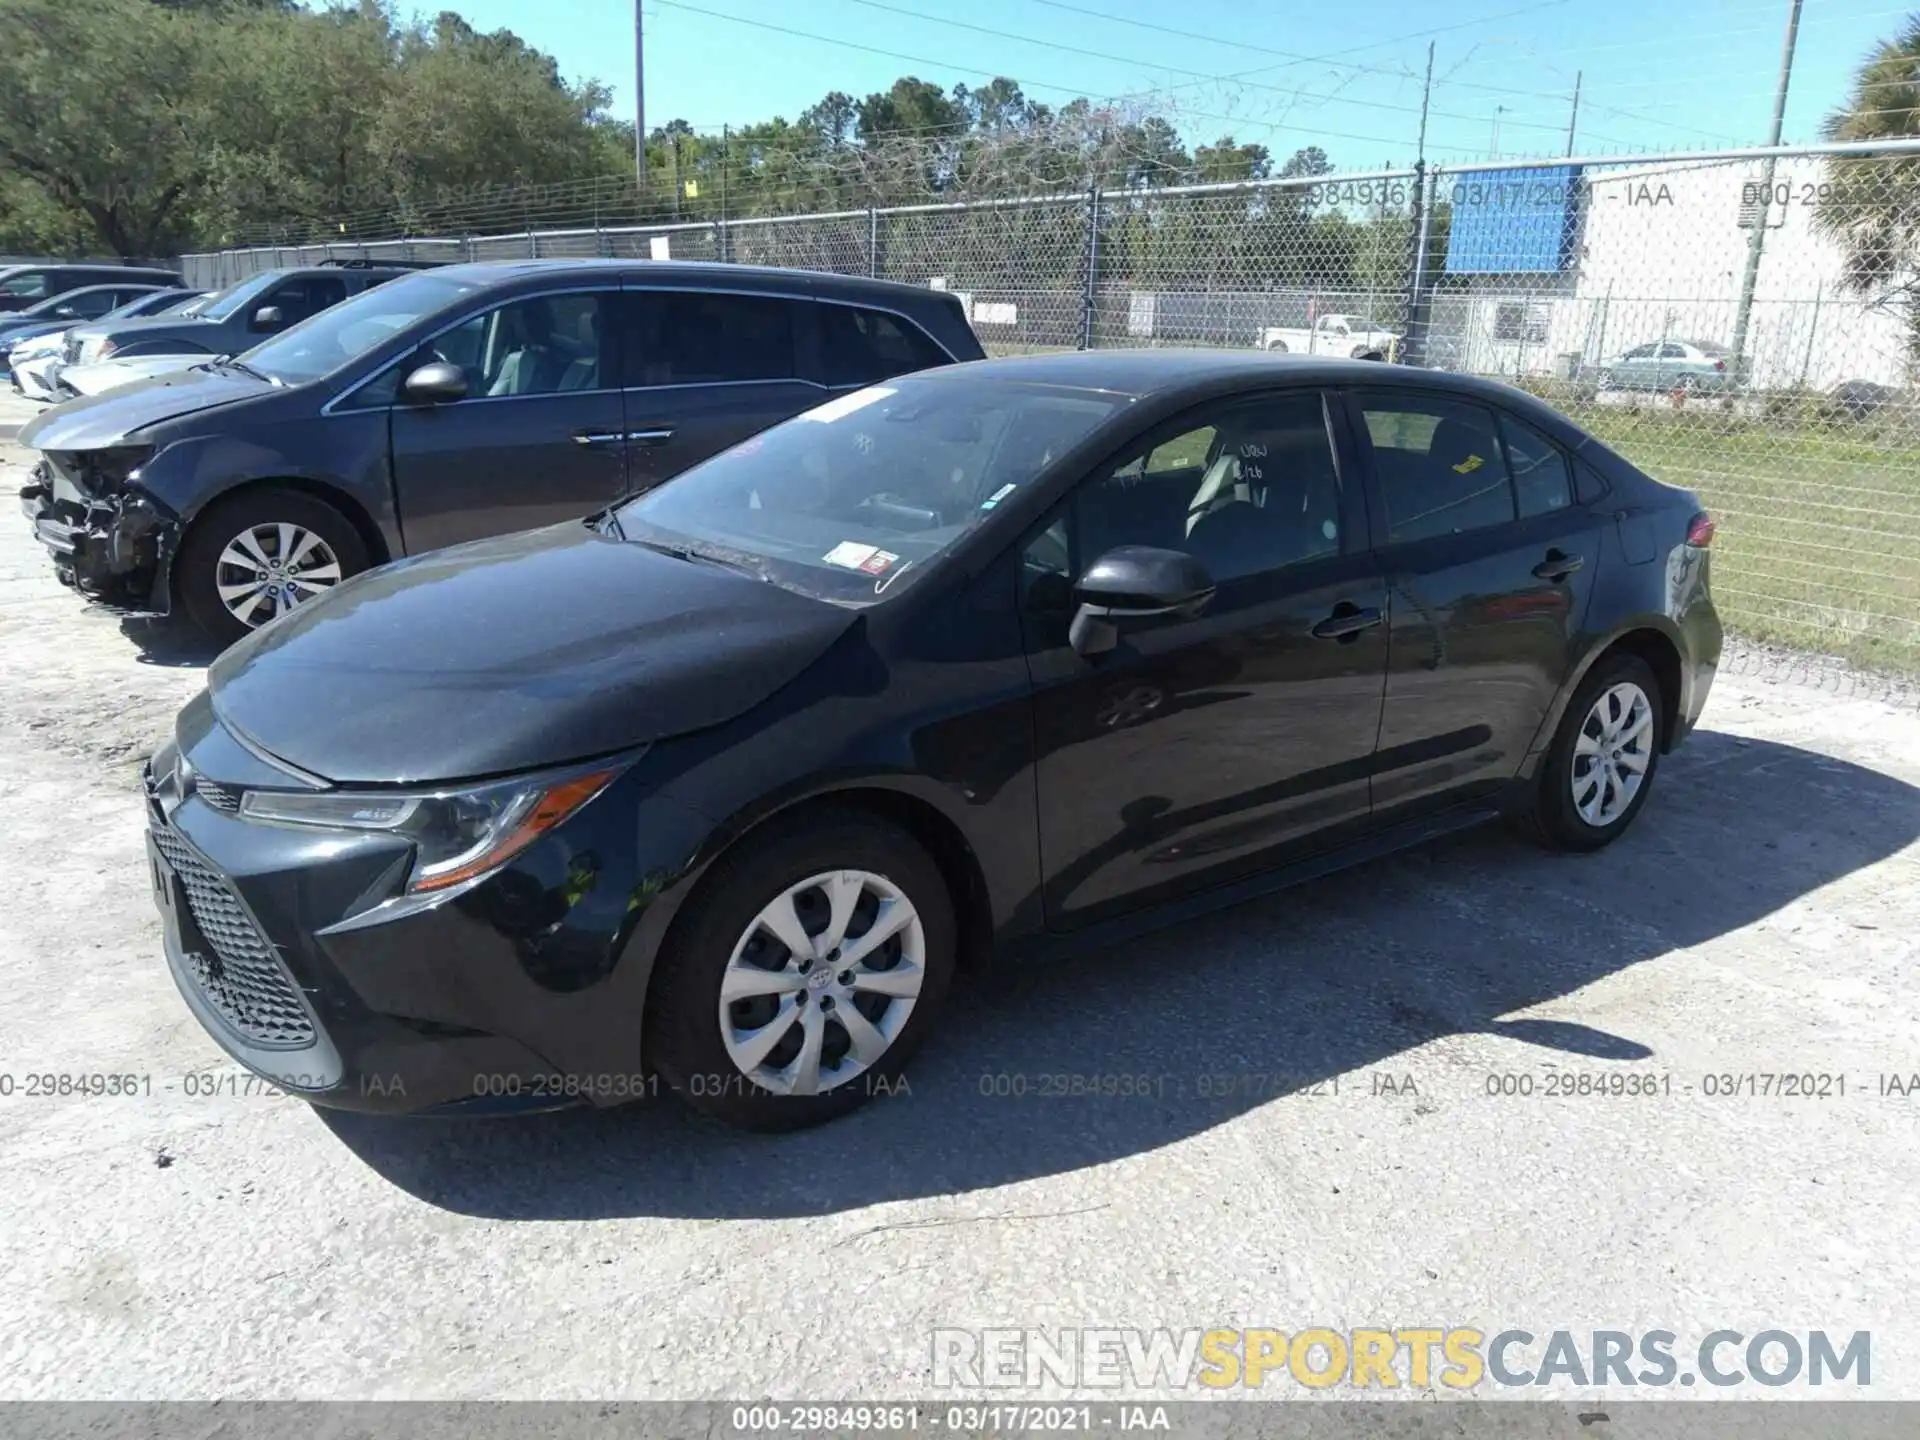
[{"x": 109, "y": 538}]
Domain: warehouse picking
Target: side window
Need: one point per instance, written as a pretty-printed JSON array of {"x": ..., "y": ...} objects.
[
  {"x": 1673, "y": 352},
  {"x": 97, "y": 304},
  {"x": 1440, "y": 466},
  {"x": 31, "y": 286},
  {"x": 1541, "y": 483},
  {"x": 1245, "y": 487},
  {"x": 1640, "y": 352},
  {"x": 859, "y": 346},
  {"x": 542, "y": 345},
  {"x": 688, "y": 337},
  {"x": 297, "y": 299}
]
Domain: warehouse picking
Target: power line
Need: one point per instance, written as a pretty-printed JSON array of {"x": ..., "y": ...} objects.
[
  {"x": 1075, "y": 90},
  {"x": 1555, "y": 126}
]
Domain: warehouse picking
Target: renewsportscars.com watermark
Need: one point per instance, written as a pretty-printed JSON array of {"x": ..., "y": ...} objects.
[{"x": 1388, "y": 1358}]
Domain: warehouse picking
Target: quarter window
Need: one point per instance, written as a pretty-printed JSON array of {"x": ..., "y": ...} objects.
[
  {"x": 25, "y": 287},
  {"x": 1540, "y": 480},
  {"x": 859, "y": 346},
  {"x": 1440, "y": 466},
  {"x": 690, "y": 337}
]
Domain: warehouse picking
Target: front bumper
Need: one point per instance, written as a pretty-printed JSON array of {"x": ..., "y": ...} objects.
[
  {"x": 117, "y": 549},
  {"x": 523, "y": 992}
]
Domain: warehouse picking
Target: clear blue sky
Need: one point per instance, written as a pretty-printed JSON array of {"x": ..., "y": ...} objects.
[{"x": 1657, "y": 74}]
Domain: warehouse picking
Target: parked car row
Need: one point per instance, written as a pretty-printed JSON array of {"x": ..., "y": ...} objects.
[
  {"x": 38, "y": 301},
  {"x": 667, "y": 676}
]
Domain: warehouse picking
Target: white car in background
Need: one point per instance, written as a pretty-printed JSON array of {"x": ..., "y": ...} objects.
[
  {"x": 104, "y": 375},
  {"x": 36, "y": 365},
  {"x": 1348, "y": 336}
]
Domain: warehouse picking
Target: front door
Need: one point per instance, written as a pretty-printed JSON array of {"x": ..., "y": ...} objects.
[
  {"x": 540, "y": 436},
  {"x": 1491, "y": 564},
  {"x": 704, "y": 370},
  {"x": 1204, "y": 748}
]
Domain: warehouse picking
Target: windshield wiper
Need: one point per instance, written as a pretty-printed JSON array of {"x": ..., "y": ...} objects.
[
  {"x": 700, "y": 557},
  {"x": 227, "y": 362}
]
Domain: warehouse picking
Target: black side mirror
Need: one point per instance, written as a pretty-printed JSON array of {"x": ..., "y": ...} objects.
[
  {"x": 435, "y": 383},
  {"x": 1134, "y": 586},
  {"x": 268, "y": 317}
]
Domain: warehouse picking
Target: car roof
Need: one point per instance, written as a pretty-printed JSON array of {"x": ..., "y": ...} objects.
[
  {"x": 1139, "y": 374},
  {"x": 703, "y": 273}
]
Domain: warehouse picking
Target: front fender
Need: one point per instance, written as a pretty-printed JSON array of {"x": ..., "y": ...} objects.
[{"x": 191, "y": 473}]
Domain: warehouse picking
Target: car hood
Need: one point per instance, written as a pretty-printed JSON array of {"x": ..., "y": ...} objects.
[
  {"x": 513, "y": 653},
  {"x": 97, "y": 421},
  {"x": 106, "y": 374},
  {"x": 13, "y": 332}
]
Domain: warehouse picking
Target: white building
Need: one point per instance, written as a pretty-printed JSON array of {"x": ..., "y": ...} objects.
[{"x": 1658, "y": 252}]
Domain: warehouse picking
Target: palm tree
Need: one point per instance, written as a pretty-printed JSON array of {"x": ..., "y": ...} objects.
[{"x": 1871, "y": 205}]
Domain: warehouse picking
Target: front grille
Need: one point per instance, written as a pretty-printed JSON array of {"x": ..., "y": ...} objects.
[{"x": 242, "y": 978}]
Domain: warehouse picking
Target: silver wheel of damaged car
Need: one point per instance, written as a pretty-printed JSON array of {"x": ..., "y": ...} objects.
[{"x": 268, "y": 569}]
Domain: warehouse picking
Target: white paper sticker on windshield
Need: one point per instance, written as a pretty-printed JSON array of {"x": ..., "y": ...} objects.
[
  {"x": 847, "y": 404},
  {"x": 997, "y": 496},
  {"x": 869, "y": 559}
]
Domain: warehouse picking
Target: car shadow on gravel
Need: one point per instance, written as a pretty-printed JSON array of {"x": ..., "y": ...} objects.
[
  {"x": 1201, "y": 1023},
  {"x": 168, "y": 642}
]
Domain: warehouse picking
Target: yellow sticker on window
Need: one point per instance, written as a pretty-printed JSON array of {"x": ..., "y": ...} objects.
[{"x": 1469, "y": 465}]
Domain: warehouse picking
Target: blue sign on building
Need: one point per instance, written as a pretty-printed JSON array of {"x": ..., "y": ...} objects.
[{"x": 1512, "y": 222}]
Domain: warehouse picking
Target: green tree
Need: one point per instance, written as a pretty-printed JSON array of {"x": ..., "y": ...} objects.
[
  {"x": 1871, "y": 205},
  {"x": 101, "y": 111}
]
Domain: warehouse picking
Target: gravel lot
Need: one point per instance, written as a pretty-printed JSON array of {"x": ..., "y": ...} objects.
[{"x": 1762, "y": 918}]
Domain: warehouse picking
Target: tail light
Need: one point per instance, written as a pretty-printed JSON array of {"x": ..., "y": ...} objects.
[
  {"x": 1720, "y": 365},
  {"x": 1700, "y": 531}
]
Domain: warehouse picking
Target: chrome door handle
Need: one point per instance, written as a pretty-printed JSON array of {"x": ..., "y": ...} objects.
[
  {"x": 659, "y": 435},
  {"x": 597, "y": 437}
]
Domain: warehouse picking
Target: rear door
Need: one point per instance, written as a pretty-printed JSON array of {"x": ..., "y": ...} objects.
[
  {"x": 540, "y": 435},
  {"x": 1489, "y": 564},
  {"x": 704, "y": 369}
]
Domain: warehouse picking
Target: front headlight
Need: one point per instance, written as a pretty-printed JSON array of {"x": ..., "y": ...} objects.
[{"x": 457, "y": 834}]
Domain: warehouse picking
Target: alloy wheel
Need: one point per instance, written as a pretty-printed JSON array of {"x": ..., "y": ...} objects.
[
  {"x": 1612, "y": 754},
  {"x": 821, "y": 983},
  {"x": 268, "y": 569}
]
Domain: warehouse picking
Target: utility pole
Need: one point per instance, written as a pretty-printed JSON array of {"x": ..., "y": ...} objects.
[
  {"x": 1415, "y": 350},
  {"x": 1756, "y": 242},
  {"x": 1574, "y": 118},
  {"x": 639, "y": 107},
  {"x": 1498, "y": 111}
]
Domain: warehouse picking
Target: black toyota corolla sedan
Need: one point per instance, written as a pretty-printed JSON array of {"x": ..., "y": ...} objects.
[{"x": 714, "y": 791}]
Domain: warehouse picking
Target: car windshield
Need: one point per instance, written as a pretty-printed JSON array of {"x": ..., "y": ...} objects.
[
  {"x": 223, "y": 303},
  {"x": 855, "y": 498},
  {"x": 45, "y": 309},
  {"x": 323, "y": 342}
]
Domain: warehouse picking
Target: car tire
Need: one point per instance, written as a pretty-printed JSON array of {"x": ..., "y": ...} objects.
[
  {"x": 1564, "y": 812},
  {"x": 694, "y": 1041},
  {"x": 268, "y": 515},
  {"x": 1278, "y": 347}
]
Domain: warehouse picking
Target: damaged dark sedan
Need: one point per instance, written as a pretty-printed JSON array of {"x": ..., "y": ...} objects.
[
  {"x": 460, "y": 402},
  {"x": 714, "y": 792}
]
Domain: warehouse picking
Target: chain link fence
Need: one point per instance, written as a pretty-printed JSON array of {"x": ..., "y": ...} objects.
[{"x": 1739, "y": 323}]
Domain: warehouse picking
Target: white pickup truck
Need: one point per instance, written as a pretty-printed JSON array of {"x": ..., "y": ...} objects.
[{"x": 1345, "y": 335}]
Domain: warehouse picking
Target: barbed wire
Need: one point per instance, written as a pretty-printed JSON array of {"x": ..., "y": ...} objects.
[{"x": 1612, "y": 289}]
